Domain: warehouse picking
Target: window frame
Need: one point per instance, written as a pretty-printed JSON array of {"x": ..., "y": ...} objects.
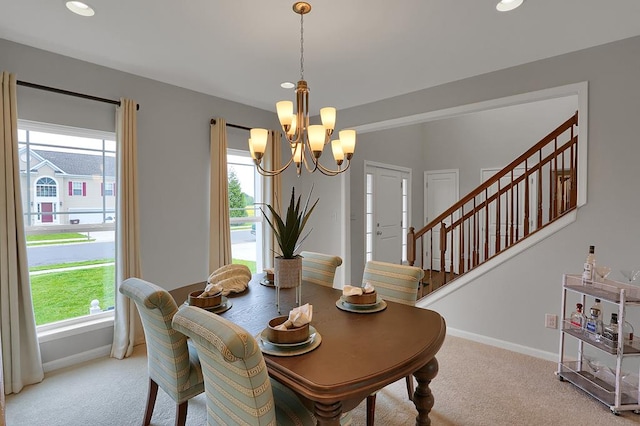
[
  {"x": 80, "y": 324},
  {"x": 258, "y": 218}
]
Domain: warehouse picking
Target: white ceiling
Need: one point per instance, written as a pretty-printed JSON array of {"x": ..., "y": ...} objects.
[{"x": 356, "y": 51}]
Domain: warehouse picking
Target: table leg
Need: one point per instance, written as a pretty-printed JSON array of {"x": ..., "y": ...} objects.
[
  {"x": 423, "y": 398},
  {"x": 328, "y": 414}
]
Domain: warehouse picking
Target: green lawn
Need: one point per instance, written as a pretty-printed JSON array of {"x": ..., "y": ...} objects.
[
  {"x": 63, "y": 295},
  {"x": 48, "y": 237},
  {"x": 62, "y": 238}
]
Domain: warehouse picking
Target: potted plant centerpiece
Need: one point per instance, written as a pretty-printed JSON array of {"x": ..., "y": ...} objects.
[{"x": 288, "y": 234}]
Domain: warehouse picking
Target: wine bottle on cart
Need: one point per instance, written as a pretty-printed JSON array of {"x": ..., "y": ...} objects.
[{"x": 589, "y": 270}]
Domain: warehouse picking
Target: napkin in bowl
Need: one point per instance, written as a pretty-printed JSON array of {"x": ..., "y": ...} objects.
[
  {"x": 211, "y": 289},
  {"x": 349, "y": 290},
  {"x": 297, "y": 317}
]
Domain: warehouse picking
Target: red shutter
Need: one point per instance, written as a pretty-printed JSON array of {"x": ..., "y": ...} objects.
[
  {"x": 84, "y": 189},
  {"x": 102, "y": 189},
  {"x": 70, "y": 188}
]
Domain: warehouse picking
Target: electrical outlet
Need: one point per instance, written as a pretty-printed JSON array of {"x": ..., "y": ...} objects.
[{"x": 551, "y": 321}]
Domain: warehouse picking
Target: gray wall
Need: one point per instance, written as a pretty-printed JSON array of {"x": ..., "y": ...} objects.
[
  {"x": 509, "y": 303},
  {"x": 491, "y": 139},
  {"x": 402, "y": 147},
  {"x": 173, "y": 162}
]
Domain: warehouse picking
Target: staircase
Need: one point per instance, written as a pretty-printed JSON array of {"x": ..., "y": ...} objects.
[{"x": 535, "y": 190}]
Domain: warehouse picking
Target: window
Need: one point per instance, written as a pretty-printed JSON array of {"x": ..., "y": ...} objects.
[
  {"x": 245, "y": 189},
  {"x": 46, "y": 187},
  {"x": 108, "y": 189},
  {"x": 77, "y": 188},
  {"x": 405, "y": 217},
  {"x": 70, "y": 241}
]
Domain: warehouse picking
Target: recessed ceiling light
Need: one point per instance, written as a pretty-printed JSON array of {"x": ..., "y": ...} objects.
[
  {"x": 80, "y": 8},
  {"x": 287, "y": 85},
  {"x": 507, "y": 5}
]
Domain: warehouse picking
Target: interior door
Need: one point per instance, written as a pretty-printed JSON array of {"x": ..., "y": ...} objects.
[
  {"x": 441, "y": 192},
  {"x": 388, "y": 215}
]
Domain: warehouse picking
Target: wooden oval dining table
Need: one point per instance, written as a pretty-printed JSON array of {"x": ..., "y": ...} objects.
[{"x": 359, "y": 353}]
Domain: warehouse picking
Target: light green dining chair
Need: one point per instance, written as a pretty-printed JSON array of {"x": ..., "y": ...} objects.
[
  {"x": 173, "y": 364},
  {"x": 319, "y": 268},
  {"x": 237, "y": 385},
  {"x": 393, "y": 283}
]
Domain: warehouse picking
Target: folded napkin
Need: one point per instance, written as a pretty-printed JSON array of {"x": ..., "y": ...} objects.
[
  {"x": 297, "y": 317},
  {"x": 349, "y": 290},
  {"x": 233, "y": 278},
  {"x": 211, "y": 290}
]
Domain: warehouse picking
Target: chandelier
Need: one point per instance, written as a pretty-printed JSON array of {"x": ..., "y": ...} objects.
[{"x": 307, "y": 142}]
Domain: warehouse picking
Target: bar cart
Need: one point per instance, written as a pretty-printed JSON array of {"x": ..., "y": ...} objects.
[{"x": 615, "y": 296}]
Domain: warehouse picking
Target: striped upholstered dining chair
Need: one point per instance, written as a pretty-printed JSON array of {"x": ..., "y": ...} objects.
[
  {"x": 394, "y": 283},
  {"x": 319, "y": 268},
  {"x": 236, "y": 381},
  {"x": 173, "y": 363}
]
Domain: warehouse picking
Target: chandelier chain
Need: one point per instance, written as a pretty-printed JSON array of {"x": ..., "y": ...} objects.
[{"x": 302, "y": 46}]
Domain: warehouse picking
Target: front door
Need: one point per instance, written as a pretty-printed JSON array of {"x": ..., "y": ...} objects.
[
  {"x": 44, "y": 209},
  {"x": 387, "y": 195}
]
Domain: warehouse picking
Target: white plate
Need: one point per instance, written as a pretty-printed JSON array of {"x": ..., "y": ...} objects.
[
  {"x": 348, "y": 307},
  {"x": 312, "y": 335},
  {"x": 268, "y": 349}
]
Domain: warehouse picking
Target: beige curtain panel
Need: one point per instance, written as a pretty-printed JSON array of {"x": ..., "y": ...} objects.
[
  {"x": 21, "y": 360},
  {"x": 127, "y": 226},
  {"x": 272, "y": 186},
  {"x": 219, "y": 231}
]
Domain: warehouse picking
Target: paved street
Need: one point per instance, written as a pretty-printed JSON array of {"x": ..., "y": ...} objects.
[{"x": 243, "y": 247}]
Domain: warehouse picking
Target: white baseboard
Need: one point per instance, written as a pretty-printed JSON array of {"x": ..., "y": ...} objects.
[
  {"x": 77, "y": 358},
  {"x": 503, "y": 344}
]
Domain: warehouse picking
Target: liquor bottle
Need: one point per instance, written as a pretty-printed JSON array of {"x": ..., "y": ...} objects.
[
  {"x": 588, "y": 273},
  {"x": 577, "y": 317},
  {"x": 594, "y": 323},
  {"x": 610, "y": 332}
]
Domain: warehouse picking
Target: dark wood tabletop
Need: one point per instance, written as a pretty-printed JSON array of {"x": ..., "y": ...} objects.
[{"x": 359, "y": 353}]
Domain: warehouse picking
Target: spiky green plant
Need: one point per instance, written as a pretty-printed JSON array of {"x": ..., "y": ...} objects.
[{"x": 289, "y": 230}]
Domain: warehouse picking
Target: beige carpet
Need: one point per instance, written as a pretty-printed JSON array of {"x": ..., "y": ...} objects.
[{"x": 477, "y": 385}]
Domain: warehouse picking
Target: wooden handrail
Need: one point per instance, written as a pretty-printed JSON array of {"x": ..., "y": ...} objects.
[
  {"x": 573, "y": 121},
  {"x": 515, "y": 221}
]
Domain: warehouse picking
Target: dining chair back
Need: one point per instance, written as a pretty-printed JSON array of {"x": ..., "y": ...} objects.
[
  {"x": 319, "y": 268},
  {"x": 237, "y": 385},
  {"x": 173, "y": 364},
  {"x": 395, "y": 283}
]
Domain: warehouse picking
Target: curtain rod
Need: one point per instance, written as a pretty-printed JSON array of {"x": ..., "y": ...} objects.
[
  {"x": 69, "y": 93},
  {"x": 237, "y": 126}
]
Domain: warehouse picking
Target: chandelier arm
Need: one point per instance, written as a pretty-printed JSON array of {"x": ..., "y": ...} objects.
[
  {"x": 306, "y": 161},
  {"x": 329, "y": 172},
  {"x": 265, "y": 172}
]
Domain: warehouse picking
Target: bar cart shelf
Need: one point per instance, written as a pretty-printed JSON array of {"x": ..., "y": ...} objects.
[{"x": 575, "y": 370}]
